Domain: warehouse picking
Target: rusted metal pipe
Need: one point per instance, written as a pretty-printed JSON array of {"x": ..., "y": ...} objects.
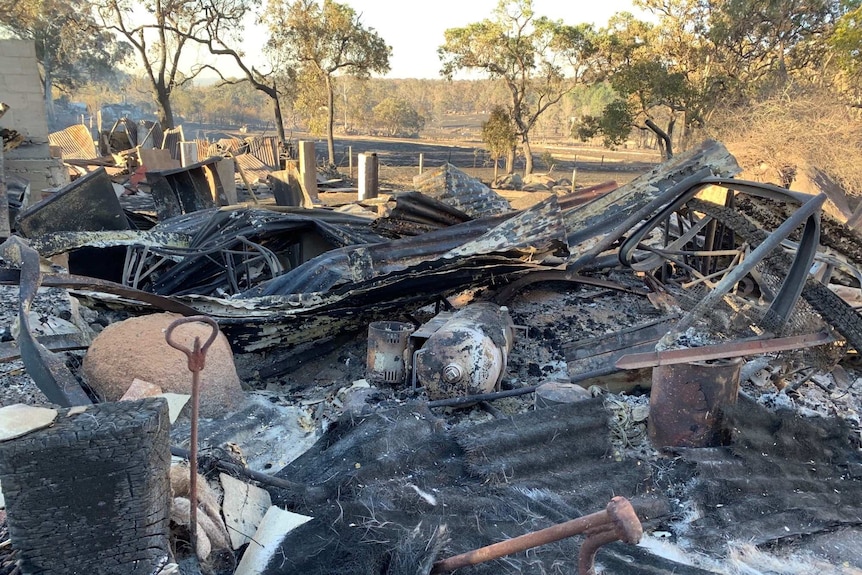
[
  {"x": 618, "y": 522},
  {"x": 196, "y": 361}
]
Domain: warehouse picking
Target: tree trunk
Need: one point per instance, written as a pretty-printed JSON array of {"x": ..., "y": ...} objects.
[
  {"x": 528, "y": 155},
  {"x": 163, "y": 101},
  {"x": 510, "y": 161},
  {"x": 664, "y": 143},
  {"x": 279, "y": 120},
  {"x": 330, "y": 120}
]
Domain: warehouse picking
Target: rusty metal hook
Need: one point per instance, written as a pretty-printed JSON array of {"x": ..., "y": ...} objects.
[
  {"x": 197, "y": 355},
  {"x": 196, "y": 361}
]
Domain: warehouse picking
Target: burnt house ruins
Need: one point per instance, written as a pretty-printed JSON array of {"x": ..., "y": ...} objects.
[{"x": 230, "y": 363}]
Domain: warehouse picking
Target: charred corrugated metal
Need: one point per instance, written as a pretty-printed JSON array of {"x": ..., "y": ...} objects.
[
  {"x": 76, "y": 142},
  {"x": 87, "y": 204},
  {"x": 255, "y": 171},
  {"x": 265, "y": 149},
  {"x": 455, "y": 188},
  {"x": 185, "y": 190},
  {"x": 171, "y": 141},
  {"x": 412, "y": 214}
]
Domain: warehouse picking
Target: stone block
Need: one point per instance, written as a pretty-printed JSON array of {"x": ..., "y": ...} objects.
[{"x": 136, "y": 348}]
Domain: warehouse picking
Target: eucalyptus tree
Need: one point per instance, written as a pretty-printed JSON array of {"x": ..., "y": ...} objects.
[
  {"x": 323, "y": 40},
  {"x": 159, "y": 32},
  {"x": 539, "y": 59}
]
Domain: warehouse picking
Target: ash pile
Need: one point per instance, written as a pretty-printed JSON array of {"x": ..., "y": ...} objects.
[{"x": 658, "y": 377}]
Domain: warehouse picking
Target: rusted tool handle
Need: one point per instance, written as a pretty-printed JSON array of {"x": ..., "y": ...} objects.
[
  {"x": 197, "y": 355},
  {"x": 617, "y": 522},
  {"x": 623, "y": 525}
]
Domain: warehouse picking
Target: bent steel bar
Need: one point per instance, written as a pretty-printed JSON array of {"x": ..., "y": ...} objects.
[
  {"x": 809, "y": 214},
  {"x": 48, "y": 370}
]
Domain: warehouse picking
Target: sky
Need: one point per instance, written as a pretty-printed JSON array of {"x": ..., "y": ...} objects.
[{"x": 415, "y": 29}]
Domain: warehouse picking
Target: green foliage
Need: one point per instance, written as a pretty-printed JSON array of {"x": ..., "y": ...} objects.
[
  {"x": 70, "y": 46},
  {"x": 498, "y": 133},
  {"x": 845, "y": 44},
  {"x": 397, "y": 117},
  {"x": 614, "y": 124}
]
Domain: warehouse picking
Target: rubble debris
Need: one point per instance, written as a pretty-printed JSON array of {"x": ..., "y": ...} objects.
[
  {"x": 47, "y": 369},
  {"x": 208, "y": 537},
  {"x": 267, "y": 149},
  {"x": 557, "y": 392},
  {"x": 784, "y": 479},
  {"x": 171, "y": 141},
  {"x": 687, "y": 401},
  {"x": 75, "y": 142},
  {"x": 91, "y": 492},
  {"x": 721, "y": 351},
  {"x": 136, "y": 348},
  {"x": 287, "y": 188},
  {"x": 244, "y": 508},
  {"x": 86, "y": 205},
  {"x": 275, "y": 525},
  {"x": 252, "y": 169},
  {"x": 157, "y": 159},
  {"x": 8, "y": 207},
  {"x": 375, "y": 459},
  {"x": 467, "y": 354},
  {"x": 185, "y": 190},
  {"x": 413, "y": 214}
]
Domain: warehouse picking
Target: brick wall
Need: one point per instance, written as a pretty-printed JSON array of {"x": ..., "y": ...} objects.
[{"x": 21, "y": 89}]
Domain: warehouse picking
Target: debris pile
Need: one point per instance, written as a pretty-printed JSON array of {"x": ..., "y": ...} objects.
[{"x": 427, "y": 379}]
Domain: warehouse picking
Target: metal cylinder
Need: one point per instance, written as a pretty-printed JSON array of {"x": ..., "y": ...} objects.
[
  {"x": 387, "y": 346},
  {"x": 468, "y": 354},
  {"x": 687, "y": 399}
]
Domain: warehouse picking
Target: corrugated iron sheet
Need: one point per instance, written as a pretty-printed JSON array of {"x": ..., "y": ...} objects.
[
  {"x": 455, "y": 188},
  {"x": 233, "y": 146},
  {"x": 255, "y": 171},
  {"x": 172, "y": 139},
  {"x": 204, "y": 149},
  {"x": 76, "y": 142},
  {"x": 265, "y": 149}
]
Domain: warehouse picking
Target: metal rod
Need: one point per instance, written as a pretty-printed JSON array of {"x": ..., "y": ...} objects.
[
  {"x": 617, "y": 521},
  {"x": 196, "y": 358}
]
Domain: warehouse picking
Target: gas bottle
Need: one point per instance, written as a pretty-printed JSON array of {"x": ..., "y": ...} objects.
[{"x": 468, "y": 354}]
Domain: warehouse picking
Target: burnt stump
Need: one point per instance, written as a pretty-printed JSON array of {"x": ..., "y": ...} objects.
[{"x": 91, "y": 494}]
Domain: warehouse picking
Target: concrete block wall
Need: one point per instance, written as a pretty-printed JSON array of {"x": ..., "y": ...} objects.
[{"x": 21, "y": 89}]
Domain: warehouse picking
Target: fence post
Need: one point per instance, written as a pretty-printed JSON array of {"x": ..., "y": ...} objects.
[{"x": 368, "y": 180}]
